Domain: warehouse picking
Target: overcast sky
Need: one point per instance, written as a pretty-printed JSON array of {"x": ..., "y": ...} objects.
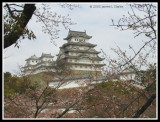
[{"x": 96, "y": 22}]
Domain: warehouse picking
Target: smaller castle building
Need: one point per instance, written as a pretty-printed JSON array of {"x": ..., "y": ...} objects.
[{"x": 35, "y": 64}]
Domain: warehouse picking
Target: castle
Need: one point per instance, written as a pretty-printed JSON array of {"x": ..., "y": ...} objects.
[
  {"x": 79, "y": 55},
  {"x": 36, "y": 64}
]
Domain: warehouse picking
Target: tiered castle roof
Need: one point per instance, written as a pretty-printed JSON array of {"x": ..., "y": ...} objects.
[
  {"x": 36, "y": 64},
  {"x": 82, "y": 51},
  {"x": 80, "y": 56},
  {"x": 78, "y": 52},
  {"x": 34, "y": 57},
  {"x": 77, "y": 34},
  {"x": 79, "y": 44}
]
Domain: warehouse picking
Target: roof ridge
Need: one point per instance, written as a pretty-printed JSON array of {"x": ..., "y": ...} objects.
[
  {"x": 72, "y": 33},
  {"x": 78, "y": 31}
]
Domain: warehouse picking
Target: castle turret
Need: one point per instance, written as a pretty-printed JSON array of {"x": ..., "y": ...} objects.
[
  {"x": 79, "y": 54},
  {"x": 36, "y": 64}
]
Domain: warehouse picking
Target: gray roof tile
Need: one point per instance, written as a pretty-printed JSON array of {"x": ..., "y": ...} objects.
[{"x": 77, "y": 34}]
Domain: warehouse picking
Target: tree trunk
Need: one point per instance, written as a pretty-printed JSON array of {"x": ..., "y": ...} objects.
[
  {"x": 145, "y": 106},
  {"x": 23, "y": 20}
]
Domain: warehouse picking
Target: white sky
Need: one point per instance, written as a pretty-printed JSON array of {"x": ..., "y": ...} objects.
[{"x": 96, "y": 22}]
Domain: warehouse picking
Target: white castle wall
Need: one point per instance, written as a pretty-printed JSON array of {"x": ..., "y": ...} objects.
[
  {"x": 78, "y": 67},
  {"x": 34, "y": 66},
  {"x": 73, "y": 39}
]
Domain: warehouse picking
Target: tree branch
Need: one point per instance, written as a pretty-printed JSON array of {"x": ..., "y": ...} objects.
[
  {"x": 22, "y": 21},
  {"x": 145, "y": 106},
  {"x": 10, "y": 12},
  {"x": 67, "y": 109}
]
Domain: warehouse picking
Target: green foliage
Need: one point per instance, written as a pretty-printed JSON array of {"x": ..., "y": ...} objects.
[
  {"x": 148, "y": 77},
  {"x": 151, "y": 88},
  {"x": 7, "y": 74},
  {"x": 13, "y": 85},
  {"x": 114, "y": 87},
  {"x": 151, "y": 72},
  {"x": 8, "y": 92},
  {"x": 14, "y": 22},
  {"x": 41, "y": 79}
]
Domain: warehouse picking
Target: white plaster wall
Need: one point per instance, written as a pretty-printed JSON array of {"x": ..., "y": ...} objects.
[
  {"x": 68, "y": 84},
  {"x": 83, "y": 48},
  {"x": 38, "y": 71},
  {"x": 128, "y": 77},
  {"x": 87, "y": 40},
  {"x": 84, "y": 60},
  {"x": 74, "y": 83},
  {"x": 80, "y": 61},
  {"x": 74, "y": 67},
  {"x": 33, "y": 62},
  {"x": 72, "y": 40},
  {"x": 77, "y": 39}
]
